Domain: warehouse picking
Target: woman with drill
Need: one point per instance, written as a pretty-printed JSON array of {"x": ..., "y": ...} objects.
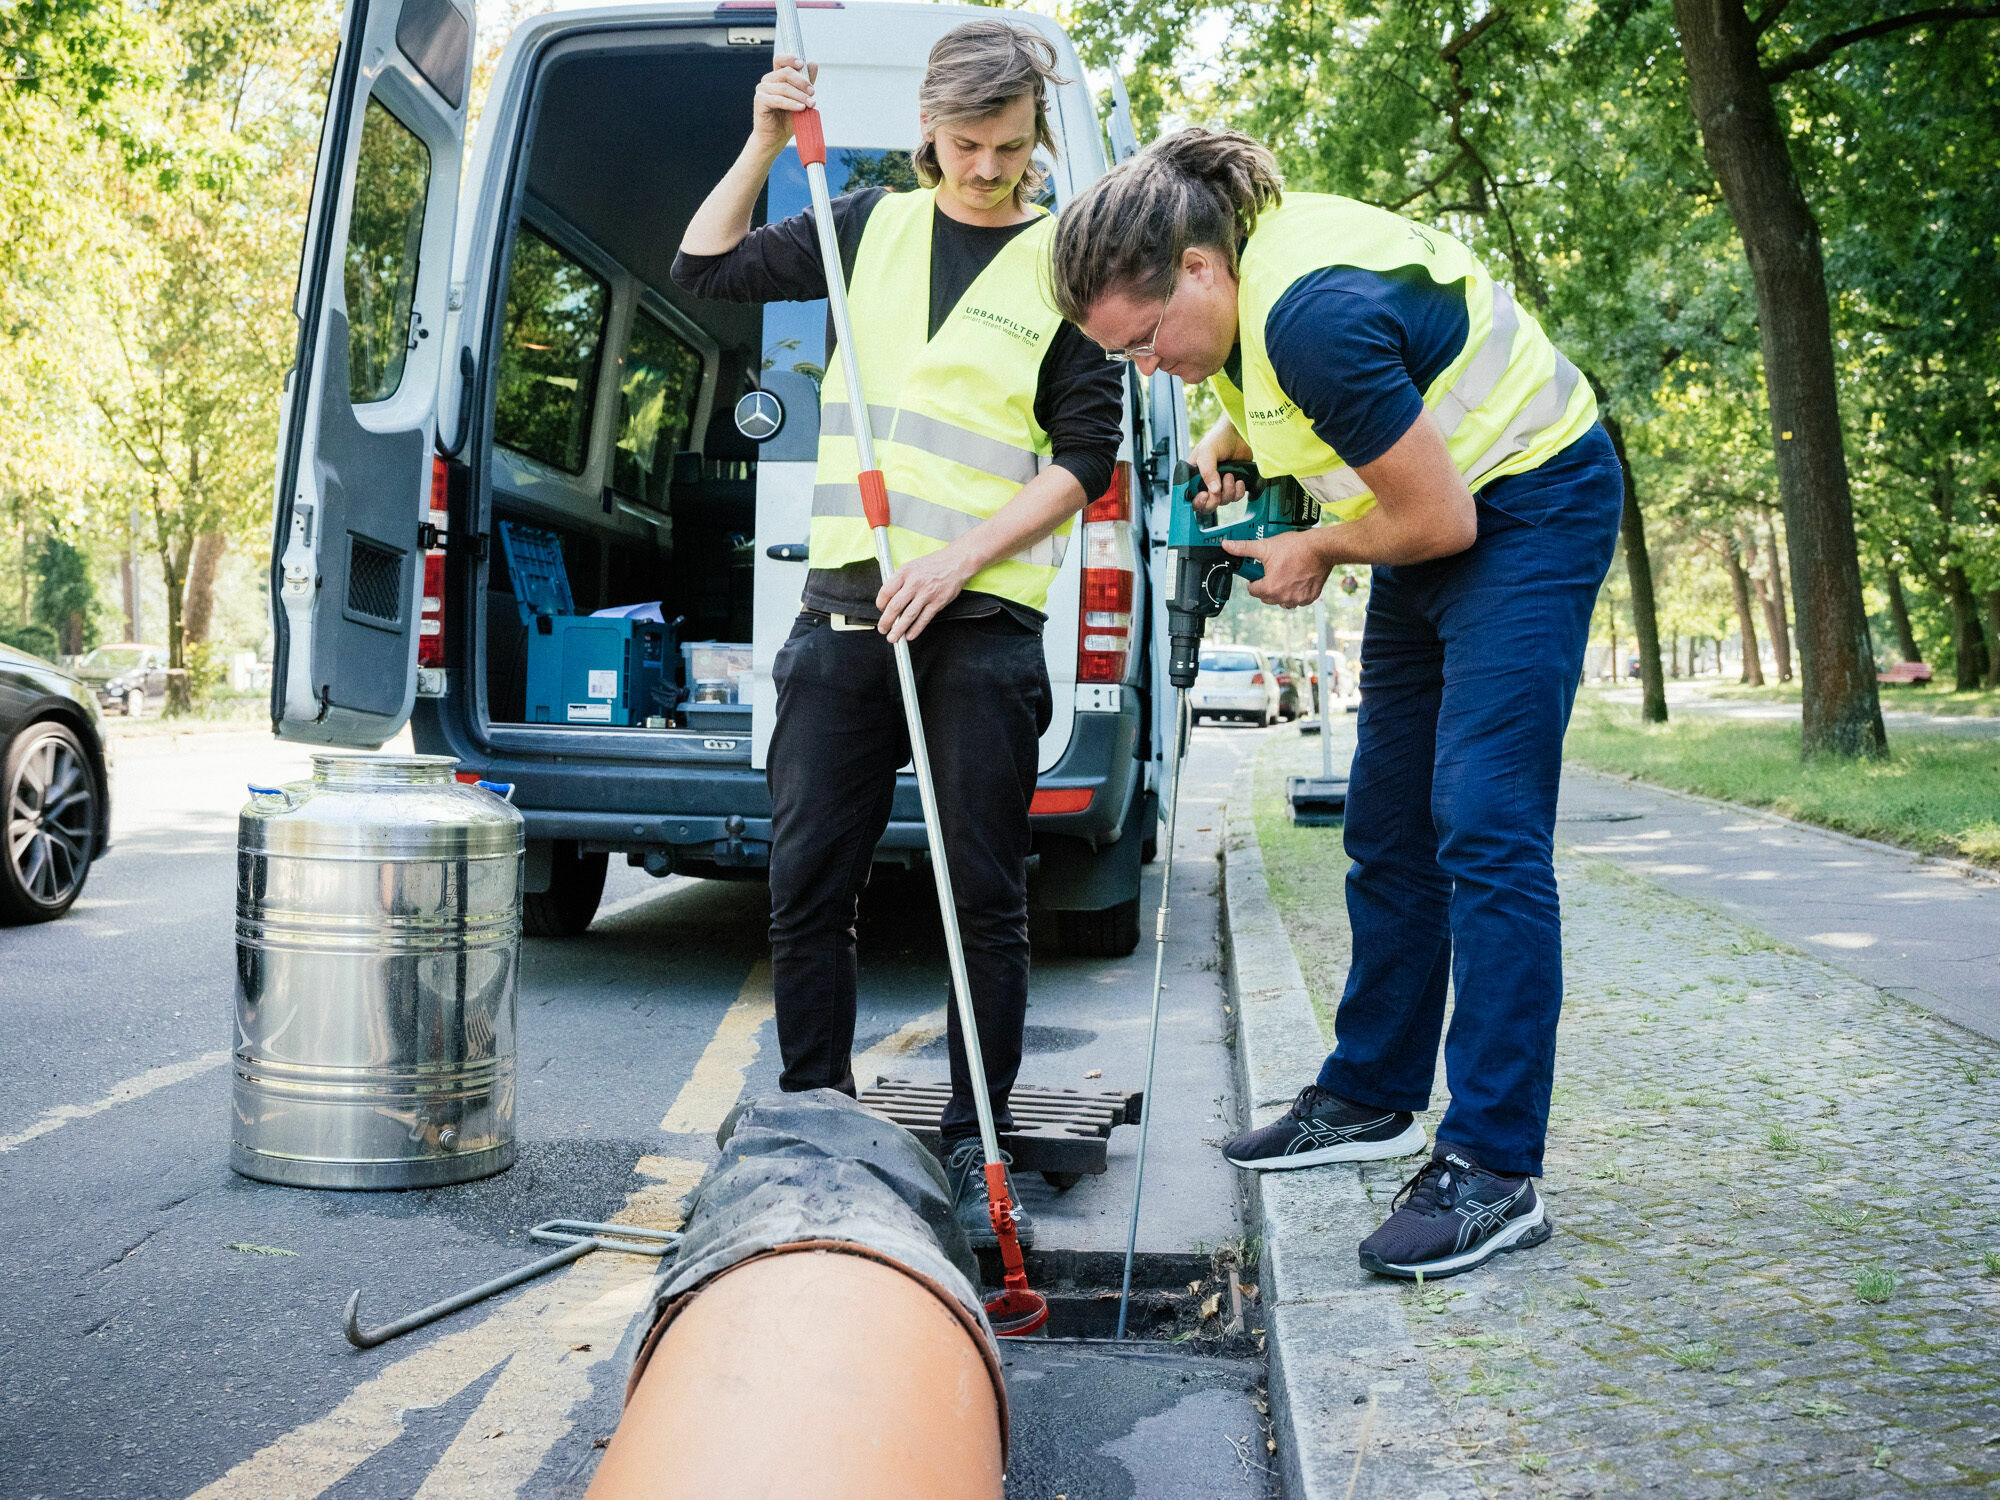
[{"x": 1456, "y": 450}]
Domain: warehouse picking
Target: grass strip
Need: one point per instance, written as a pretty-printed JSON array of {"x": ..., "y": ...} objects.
[
  {"x": 1307, "y": 871},
  {"x": 1934, "y": 794}
]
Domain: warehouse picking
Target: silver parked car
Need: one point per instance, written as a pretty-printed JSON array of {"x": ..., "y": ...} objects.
[{"x": 1235, "y": 682}]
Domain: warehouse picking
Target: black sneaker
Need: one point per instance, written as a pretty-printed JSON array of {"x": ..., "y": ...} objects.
[
  {"x": 1454, "y": 1215},
  {"x": 1322, "y": 1127},
  {"x": 965, "y": 1170}
]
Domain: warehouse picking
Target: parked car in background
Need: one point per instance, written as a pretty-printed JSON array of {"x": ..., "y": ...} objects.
[
  {"x": 1290, "y": 676},
  {"x": 55, "y": 802},
  {"x": 126, "y": 676},
  {"x": 1235, "y": 682}
]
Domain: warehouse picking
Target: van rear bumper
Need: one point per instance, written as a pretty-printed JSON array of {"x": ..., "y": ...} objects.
[{"x": 721, "y": 816}]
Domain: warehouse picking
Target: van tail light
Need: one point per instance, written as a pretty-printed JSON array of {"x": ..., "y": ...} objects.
[
  {"x": 430, "y": 617},
  {"x": 1060, "y": 799},
  {"x": 1104, "y": 617}
]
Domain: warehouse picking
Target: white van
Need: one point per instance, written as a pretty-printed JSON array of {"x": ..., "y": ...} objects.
[{"x": 507, "y": 432}]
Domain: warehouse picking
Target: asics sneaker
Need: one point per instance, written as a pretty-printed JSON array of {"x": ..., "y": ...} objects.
[
  {"x": 1322, "y": 1127},
  {"x": 1454, "y": 1215}
]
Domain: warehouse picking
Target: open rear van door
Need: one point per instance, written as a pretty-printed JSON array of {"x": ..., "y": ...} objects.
[{"x": 354, "y": 448}]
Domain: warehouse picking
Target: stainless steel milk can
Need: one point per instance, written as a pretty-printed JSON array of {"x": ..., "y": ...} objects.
[{"x": 378, "y": 933}]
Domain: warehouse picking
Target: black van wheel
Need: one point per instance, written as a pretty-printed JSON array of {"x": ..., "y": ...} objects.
[
  {"x": 1110, "y": 933},
  {"x": 576, "y": 885}
]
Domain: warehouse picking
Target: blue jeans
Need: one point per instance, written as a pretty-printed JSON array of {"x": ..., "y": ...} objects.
[{"x": 1469, "y": 670}]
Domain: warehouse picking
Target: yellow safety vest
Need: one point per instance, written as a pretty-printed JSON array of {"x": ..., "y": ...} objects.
[
  {"x": 1509, "y": 402},
  {"x": 953, "y": 417}
]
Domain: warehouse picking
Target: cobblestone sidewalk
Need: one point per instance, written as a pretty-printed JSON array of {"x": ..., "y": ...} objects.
[{"x": 1776, "y": 1269}]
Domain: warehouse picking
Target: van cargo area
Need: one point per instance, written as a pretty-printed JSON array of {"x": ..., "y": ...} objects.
[{"x": 622, "y": 509}]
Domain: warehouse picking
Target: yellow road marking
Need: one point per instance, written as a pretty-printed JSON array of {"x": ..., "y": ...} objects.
[
  {"x": 717, "y": 1081},
  {"x": 121, "y": 1093},
  {"x": 895, "y": 1049},
  {"x": 530, "y": 1403}
]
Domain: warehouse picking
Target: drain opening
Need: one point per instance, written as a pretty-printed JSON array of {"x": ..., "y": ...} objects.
[{"x": 1178, "y": 1299}]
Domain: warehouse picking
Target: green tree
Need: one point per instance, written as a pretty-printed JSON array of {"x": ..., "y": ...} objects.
[
  {"x": 197, "y": 318},
  {"x": 66, "y": 595}
]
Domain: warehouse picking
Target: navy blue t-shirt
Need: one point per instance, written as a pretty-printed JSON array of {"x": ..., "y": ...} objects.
[{"x": 1357, "y": 350}]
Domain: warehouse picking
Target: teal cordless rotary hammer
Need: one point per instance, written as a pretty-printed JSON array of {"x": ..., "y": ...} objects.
[{"x": 1202, "y": 570}]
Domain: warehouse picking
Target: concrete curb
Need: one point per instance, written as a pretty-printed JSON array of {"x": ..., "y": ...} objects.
[{"x": 1351, "y": 1403}]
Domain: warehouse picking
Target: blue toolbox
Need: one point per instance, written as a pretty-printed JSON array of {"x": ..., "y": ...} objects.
[{"x": 583, "y": 669}]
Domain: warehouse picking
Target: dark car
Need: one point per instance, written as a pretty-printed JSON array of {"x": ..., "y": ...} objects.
[
  {"x": 55, "y": 791},
  {"x": 1290, "y": 679},
  {"x": 126, "y": 676}
]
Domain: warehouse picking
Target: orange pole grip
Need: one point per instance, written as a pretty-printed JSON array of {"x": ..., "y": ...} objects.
[
  {"x": 811, "y": 138},
  {"x": 875, "y": 506}
]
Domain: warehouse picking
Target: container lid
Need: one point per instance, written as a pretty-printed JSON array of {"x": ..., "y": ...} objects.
[
  {"x": 380, "y": 807},
  {"x": 363, "y": 768}
]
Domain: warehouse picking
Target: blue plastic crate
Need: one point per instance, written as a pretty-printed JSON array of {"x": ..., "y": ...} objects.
[{"x": 535, "y": 565}]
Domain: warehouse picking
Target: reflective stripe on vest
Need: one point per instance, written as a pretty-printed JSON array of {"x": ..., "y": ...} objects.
[
  {"x": 953, "y": 417},
  {"x": 1507, "y": 403}
]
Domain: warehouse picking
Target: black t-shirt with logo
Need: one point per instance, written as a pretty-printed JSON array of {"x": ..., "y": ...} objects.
[{"x": 1077, "y": 398}]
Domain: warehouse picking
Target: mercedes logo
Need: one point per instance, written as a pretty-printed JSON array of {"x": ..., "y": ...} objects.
[{"x": 759, "y": 415}]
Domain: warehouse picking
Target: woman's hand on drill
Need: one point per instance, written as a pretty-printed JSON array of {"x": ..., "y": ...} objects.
[
  {"x": 781, "y": 93},
  {"x": 918, "y": 590}
]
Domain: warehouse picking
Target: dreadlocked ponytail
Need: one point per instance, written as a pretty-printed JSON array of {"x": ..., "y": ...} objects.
[{"x": 1126, "y": 232}]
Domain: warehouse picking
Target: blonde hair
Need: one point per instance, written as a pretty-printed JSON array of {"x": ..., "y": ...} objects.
[
  {"x": 1127, "y": 231},
  {"x": 977, "y": 70}
]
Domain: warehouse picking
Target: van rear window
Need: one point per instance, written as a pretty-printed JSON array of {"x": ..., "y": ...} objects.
[
  {"x": 548, "y": 357},
  {"x": 1228, "y": 661},
  {"x": 795, "y": 332},
  {"x": 384, "y": 232},
  {"x": 657, "y": 390}
]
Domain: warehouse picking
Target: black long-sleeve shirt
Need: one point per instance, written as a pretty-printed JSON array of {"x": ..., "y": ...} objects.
[{"x": 1077, "y": 395}]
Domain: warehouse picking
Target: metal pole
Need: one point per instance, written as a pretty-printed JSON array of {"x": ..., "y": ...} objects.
[
  {"x": 1325, "y": 692},
  {"x": 1159, "y": 978}
]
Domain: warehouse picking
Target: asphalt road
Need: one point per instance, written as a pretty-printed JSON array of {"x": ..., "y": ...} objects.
[{"x": 173, "y": 1330}]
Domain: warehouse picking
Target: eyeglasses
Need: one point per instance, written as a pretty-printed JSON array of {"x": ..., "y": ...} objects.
[{"x": 1146, "y": 350}]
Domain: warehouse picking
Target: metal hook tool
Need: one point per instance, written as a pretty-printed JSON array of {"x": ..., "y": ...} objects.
[{"x": 578, "y": 1237}]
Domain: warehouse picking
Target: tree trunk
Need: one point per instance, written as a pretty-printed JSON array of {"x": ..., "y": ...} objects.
[
  {"x": 1993, "y": 638},
  {"x": 1968, "y": 641},
  {"x": 174, "y": 563},
  {"x": 1746, "y": 148},
  {"x": 128, "y": 583},
  {"x": 1781, "y": 635},
  {"x": 1611, "y": 616},
  {"x": 1746, "y": 628},
  {"x": 1899, "y": 611},
  {"x": 1774, "y": 622},
  {"x": 202, "y": 568},
  {"x": 1639, "y": 571},
  {"x": 1674, "y": 661}
]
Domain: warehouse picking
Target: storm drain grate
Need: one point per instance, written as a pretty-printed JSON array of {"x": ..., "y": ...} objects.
[{"x": 1061, "y": 1133}]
